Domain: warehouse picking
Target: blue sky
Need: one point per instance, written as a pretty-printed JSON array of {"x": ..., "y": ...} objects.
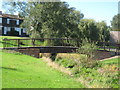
[{"x": 99, "y": 10}]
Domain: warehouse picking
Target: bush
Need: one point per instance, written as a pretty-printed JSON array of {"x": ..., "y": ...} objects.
[
  {"x": 96, "y": 78},
  {"x": 89, "y": 63},
  {"x": 89, "y": 49},
  {"x": 66, "y": 63}
]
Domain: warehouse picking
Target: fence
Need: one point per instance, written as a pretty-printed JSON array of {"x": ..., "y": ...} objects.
[
  {"x": 40, "y": 42},
  {"x": 31, "y": 42},
  {"x": 55, "y": 42}
]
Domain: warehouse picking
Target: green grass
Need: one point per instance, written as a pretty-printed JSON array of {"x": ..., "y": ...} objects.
[
  {"x": 22, "y": 71},
  {"x": 111, "y": 61},
  {"x": 104, "y": 74},
  {"x": 9, "y": 37},
  {"x": 14, "y": 43}
]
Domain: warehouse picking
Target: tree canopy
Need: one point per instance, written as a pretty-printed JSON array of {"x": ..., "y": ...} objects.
[
  {"x": 58, "y": 20},
  {"x": 116, "y": 23},
  {"x": 52, "y": 20}
]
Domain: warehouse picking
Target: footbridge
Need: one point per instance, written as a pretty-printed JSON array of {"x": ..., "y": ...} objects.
[{"x": 33, "y": 47}]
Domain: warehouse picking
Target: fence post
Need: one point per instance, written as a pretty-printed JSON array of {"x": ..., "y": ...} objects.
[
  {"x": 104, "y": 45},
  {"x": 33, "y": 42},
  {"x": 18, "y": 43},
  {"x": 4, "y": 43},
  {"x": 109, "y": 45}
]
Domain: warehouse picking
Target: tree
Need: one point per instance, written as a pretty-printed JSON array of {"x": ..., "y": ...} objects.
[
  {"x": 94, "y": 30},
  {"x": 115, "y": 23},
  {"x": 52, "y": 20},
  {"x": 103, "y": 31},
  {"x": 48, "y": 19},
  {"x": 17, "y": 7},
  {"x": 89, "y": 29}
]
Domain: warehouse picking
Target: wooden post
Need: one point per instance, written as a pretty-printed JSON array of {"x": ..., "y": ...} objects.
[
  {"x": 104, "y": 45},
  {"x": 18, "y": 43},
  {"x": 4, "y": 43},
  {"x": 109, "y": 45},
  {"x": 116, "y": 51}
]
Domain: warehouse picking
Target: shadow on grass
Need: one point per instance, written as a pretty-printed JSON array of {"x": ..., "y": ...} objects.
[{"x": 13, "y": 69}]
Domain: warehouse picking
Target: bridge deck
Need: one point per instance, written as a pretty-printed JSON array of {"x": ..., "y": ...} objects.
[
  {"x": 41, "y": 47},
  {"x": 34, "y": 51},
  {"x": 47, "y": 49}
]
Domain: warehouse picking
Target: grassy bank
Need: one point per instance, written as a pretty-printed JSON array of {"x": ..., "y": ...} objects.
[
  {"x": 22, "y": 71},
  {"x": 104, "y": 74}
]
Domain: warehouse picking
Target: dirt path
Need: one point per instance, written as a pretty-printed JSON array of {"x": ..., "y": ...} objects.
[{"x": 110, "y": 58}]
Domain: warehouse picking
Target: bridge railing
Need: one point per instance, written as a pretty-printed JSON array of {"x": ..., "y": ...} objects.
[
  {"x": 56, "y": 42},
  {"x": 40, "y": 42}
]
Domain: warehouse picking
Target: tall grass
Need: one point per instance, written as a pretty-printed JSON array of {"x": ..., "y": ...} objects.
[{"x": 104, "y": 74}]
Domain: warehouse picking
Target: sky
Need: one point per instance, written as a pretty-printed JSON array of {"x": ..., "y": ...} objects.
[{"x": 99, "y": 10}]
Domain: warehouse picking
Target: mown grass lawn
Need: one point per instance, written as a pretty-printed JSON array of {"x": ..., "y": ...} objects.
[
  {"x": 111, "y": 61},
  {"x": 8, "y": 37},
  {"x": 22, "y": 71},
  {"x": 22, "y": 43}
]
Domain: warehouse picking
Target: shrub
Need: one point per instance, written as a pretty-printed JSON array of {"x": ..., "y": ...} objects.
[
  {"x": 68, "y": 63},
  {"x": 89, "y": 49}
]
